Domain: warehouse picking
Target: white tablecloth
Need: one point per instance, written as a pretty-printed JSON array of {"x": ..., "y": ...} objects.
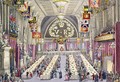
[
  {"x": 73, "y": 68},
  {"x": 47, "y": 72},
  {"x": 88, "y": 66},
  {"x": 32, "y": 68}
]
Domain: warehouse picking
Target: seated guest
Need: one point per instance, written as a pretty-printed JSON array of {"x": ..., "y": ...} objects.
[{"x": 30, "y": 74}]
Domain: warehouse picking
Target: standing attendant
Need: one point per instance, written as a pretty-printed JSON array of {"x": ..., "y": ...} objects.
[
  {"x": 27, "y": 73},
  {"x": 30, "y": 74},
  {"x": 37, "y": 72},
  {"x": 96, "y": 78},
  {"x": 93, "y": 76},
  {"x": 60, "y": 74}
]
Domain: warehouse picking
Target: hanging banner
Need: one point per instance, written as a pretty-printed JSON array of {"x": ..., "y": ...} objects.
[
  {"x": 86, "y": 8},
  {"x": 84, "y": 29},
  {"x": 12, "y": 18},
  {"x": 23, "y": 8},
  {"x": 32, "y": 20},
  {"x": 18, "y": 2},
  {"x": 117, "y": 48},
  {"x": 85, "y": 22},
  {"x": 36, "y": 35},
  {"x": 33, "y": 24},
  {"x": 78, "y": 41},
  {"x": 84, "y": 26},
  {"x": 33, "y": 29},
  {"x": 94, "y": 3},
  {"x": 13, "y": 29},
  {"x": 86, "y": 16},
  {"x": 27, "y": 13}
]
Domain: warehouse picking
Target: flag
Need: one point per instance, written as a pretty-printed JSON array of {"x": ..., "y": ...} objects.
[
  {"x": 83, "y": 29},
  {"x": 86, "y": 16},
  {"x": 90, "y": 10},
  {"x": 85, "y": 25},
  {"x": 94, "y": 3},
  {"x": 86, "y": 8},
  {"x": 26, "y": 5},
  {"x": 84, "y": 22},
  {"x": 27, "y": 13},
  {"x": 33, "y": 30},
  {"x": 36, "y": 35},
  {"x": 22, "y": 9},
  {"x": 107, "y": 2},
  {"x": 20, "y": 2}
]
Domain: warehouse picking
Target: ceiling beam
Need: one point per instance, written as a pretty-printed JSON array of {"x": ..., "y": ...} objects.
[
  {"x": 79, "y": 5},
  {"x": 65, "y": 8},
  {"x": 54, "y": 8},
  {"x": 40, "y": 7}
]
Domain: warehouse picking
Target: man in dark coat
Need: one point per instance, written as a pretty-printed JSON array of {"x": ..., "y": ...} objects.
[
  {"x": 60, "y": 74},
  {"x": 27, "y": 73},
  {"x": 96, "y": 78},
  {"x": 6, "y": 77},
  {"x": 104, "y": 75}
]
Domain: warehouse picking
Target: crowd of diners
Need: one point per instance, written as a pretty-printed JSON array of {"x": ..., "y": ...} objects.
[{"x": 80, "y": 69}]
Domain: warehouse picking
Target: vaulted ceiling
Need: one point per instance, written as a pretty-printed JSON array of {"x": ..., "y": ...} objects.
[{"x": 47, "y": 8}]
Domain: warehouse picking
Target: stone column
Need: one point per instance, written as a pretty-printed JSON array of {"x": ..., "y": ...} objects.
[
  {"x": 7, "y": 60},
  {"x": 117, "y": 11},
  {"x": 33, "y": 49},
  {"x": 33, "y": 55},
  {"x": 39, "y": 48},
  {"x": 24, "y": 60},
  {"x": 18, "y": 56},
  {"x": 25, "y": 55}
]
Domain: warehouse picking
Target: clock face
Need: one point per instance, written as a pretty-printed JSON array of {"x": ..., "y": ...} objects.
[{"x": 61, "y": 28}]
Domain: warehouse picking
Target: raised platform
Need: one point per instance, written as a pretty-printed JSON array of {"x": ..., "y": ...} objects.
[{"x": 58, "y": 52}]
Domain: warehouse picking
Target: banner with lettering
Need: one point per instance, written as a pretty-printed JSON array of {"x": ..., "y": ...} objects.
[
  {"x": 86, "y": 16},
  {"x": 94, "y": 3},
  {"x": 36, "y": 35}
]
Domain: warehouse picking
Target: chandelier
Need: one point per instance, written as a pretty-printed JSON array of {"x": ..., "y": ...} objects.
[
  {"x": 60, "y": 3},
  {"x": 61, "y": 16}
]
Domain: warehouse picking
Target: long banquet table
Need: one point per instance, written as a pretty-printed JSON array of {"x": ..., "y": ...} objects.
[
  {"x": 88, "y": 66},
  {"x": 73, "y": 68},
  {"x": 47, "y": 73},
  {"x": 33, "y": 67}
]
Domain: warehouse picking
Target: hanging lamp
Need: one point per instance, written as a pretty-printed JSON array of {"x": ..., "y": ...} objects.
[{"x": 60, "y": 3}]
